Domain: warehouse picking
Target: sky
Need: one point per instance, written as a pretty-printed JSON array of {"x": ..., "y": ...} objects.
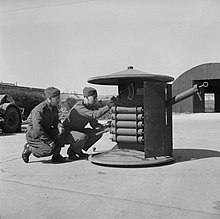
[{"x": 63, "y": 43}]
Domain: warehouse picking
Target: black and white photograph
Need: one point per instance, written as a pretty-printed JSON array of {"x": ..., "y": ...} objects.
[{"x": 109, "y": 109}]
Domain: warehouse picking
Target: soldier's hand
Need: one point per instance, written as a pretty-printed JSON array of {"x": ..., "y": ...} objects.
[
  {"x": 107, "y": 124},
  {"x": 52, "y": 144},
  {"x": 61, "y": 130},
  {"x": 112, "y": 101},
  {"x": 99, "y": 126}
]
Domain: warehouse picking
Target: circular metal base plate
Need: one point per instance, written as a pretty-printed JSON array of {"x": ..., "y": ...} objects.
[{"x": 127, "y": 158}]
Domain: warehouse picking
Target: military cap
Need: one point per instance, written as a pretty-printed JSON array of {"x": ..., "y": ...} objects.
[
  {"x": 89, "y": 91},
  {"x": 51, "y": 92}
]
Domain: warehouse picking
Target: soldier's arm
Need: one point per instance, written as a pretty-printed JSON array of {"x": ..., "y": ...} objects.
[
  {"x": 95, "y": 114},
  {"x": 38, "y": 129},
  {"x": 57, "y": 122}
]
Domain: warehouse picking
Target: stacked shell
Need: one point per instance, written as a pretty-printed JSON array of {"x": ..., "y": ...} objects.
[{"x": 127, "y": 124}]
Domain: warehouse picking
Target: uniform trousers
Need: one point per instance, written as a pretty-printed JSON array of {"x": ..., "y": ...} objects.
[
  {"x": 39, "y": 148},
  {"x": 82, "y": 139}
]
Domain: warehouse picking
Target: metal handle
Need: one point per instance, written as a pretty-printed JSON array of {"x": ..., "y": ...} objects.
[{"x": 205, "y": 84}]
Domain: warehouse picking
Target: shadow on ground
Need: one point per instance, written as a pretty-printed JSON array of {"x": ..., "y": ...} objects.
[
  {"x": 2, "y": 134},
  {"x": 182, "y": 155},
  {"x": 49, "y": 161}
]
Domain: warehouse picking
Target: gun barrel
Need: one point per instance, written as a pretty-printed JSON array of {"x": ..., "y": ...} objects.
[{"x": 188, "y": 93}]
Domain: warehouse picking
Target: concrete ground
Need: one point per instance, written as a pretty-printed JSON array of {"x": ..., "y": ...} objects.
[{"x": 187, "y": 188}]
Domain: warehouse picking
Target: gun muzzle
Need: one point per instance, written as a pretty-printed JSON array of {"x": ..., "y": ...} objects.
[{"x": 189, "y": 93}]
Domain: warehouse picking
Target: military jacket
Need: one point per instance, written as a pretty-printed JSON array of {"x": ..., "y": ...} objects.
[
  {"x": 80, "y": 115},
  {"x": 43, "y": 123}
]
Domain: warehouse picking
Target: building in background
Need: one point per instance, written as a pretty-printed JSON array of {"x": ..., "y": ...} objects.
[{"x": 210, "y": 73}]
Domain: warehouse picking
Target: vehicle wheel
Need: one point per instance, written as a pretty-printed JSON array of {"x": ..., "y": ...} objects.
[{"x": 12, "y": 120}]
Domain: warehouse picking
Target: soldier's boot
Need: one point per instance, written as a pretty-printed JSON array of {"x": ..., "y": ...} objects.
[
  {"x": 26, "y": 153},
  {"x": 71, "y": 154},
  {"x": 57, "y": 158},
  {"x": 83, "y": 156}
]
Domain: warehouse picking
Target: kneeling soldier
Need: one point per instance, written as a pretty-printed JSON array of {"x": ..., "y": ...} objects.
[
  {"x": 44, "y": 129},
  {"x": 83, "y": 113}
]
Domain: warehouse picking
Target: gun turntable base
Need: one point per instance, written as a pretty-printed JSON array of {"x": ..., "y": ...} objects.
[{"x": 127, "y": 158}]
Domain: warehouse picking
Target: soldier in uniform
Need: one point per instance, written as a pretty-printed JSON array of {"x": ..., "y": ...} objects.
[
  {"x": 45, "y": 131},
  {"x": 82, "y": 113}
]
